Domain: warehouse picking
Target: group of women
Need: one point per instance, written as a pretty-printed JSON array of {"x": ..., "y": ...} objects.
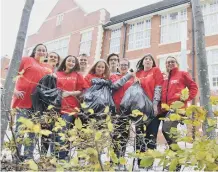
[{"x": 159, "y": 87}]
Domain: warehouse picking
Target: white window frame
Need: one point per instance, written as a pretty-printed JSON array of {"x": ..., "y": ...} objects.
[
  {"x": 86, "y": 44},
  {"x": 60, "y": 18},
  {"x": 210, "y": 63},
  {"x": 115, "y": 41},
  {"x": 208, "y": 12},
  {"x": 146, "y": 32},
  {"x": 179, "y": 23},
  {"x": 57, "y": 46},
  {"x": 183, "y": 63}
]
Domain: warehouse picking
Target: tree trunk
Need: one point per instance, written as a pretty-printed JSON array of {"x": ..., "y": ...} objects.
[
  {"x": 8, "y": 89},
  {"x": 202, "y": 67}
]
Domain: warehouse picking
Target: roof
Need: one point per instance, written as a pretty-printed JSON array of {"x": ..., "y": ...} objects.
[{"x": 162, "y": 5}]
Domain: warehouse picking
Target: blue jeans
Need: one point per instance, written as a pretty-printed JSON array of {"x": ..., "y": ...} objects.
[
  {"x": 28, "y": 149},
  {"x": 69, "y": 122}
]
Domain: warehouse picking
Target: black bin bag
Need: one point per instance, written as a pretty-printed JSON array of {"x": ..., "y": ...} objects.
[
  {"x": 45, "y": 94},
  {"x": 99, "y": 96},
  {"x": 136, "y": 99}
]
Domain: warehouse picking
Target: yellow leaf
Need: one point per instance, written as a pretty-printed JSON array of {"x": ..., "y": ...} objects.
[
  {"x": 21, "y": 72},
  {"x": 50, "y": 107},
  {"x": 173, "y": 165},
  {"x": 201, "y": 155},
  {"x": 78, "y": 123},
  {"x": 98, "y": 135},
  {"x": 122, "y": 161},
  {"x": 113, "y": 157},
  {"x": 32, "y": 165},
  {"x": 53, "y": 161},
  {"x": 136, "y": 113},
  {"x": 175, "y": 147},
  {"x": 110, "y": 126},
  {"x": 36, "y": 128},
  {"x": 175, "y": 117},
  {"x": 145, "y": 118},
  {"x": 145, "y": 128},
  {"x": 215, "y": 113},
  {"x": 62, "y": 122},
  {"x": 165, "y": 106},
  {"x": 147, "y": 161},
  {"x": 106, "y": 109},
  {"x": 27, "y": 122},
  {"x": 211, "y": 122},
  {"x": 92, "y": 151},
  {"x": 209, "y": 158},
  {"x": 74, "y": 161},
  {"x": 91, "y": 111},
  {"x": 45, "y": 132},
  {"x": 177, "y": 105},
  {"x": 184, "y": 94},
  {"x": 83, "y": 105}
]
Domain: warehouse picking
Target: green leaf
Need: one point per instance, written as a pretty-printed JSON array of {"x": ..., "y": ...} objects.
[
  {"x": 106, "y": 109},
  {"x": 78, "y": 123},
  {"x": 136, "y": 113},
  {"x": 32, "y": 165},
  {"x": 122, "y": 161},
  {"x": 211, "y": 122},
  {"x": 147, "y": 161},
  {"x": 184, "y": 94},
  {"x": 110, "y": 126},
  {"x": 62, "y": 122},
  {"x": 173, "y": 164},
  {"x": 50, "y": 107},
  {"x": 91, "y": 111},
  {"x": 201, "y": 155},
  {"x": 98, "y": 135},
  {"x": 177, "y": 105},
  {"x": 175, "y": 147},
  {"x": 74, "y": 161},
  {"x": 45, "y": 132},
  {"x": 175, "y": 117}
]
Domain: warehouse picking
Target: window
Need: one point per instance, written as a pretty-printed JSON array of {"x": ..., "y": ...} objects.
[
  {"x": 115, "y": 41},
  {"x": 59, "y": 46},
  {"x": 85, "y": 43},
  {"x": 171, "y": 25},
  {"x": 139, "y": 35},
  {"x": 133, "y": 63},
  {"x": 212, "y": 58},
  {"x": 183, "y": 65},
  {"x": 210, "y": 14},
  {"x": 59, "y": 20}
]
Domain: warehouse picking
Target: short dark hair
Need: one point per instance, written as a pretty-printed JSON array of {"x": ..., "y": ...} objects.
[
  {"x": 34, "y": 50},
  {"x": 111, "y": 55},
  {"x": 59, "y": 58},
  {"x": 140, "y": 65},
  {"x": 62, "y": 66}
]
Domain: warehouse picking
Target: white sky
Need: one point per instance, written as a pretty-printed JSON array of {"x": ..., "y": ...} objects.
[{"x": 11, "y": 11}]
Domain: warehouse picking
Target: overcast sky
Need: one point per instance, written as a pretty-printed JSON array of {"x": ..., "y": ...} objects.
[{"x": 11, "y": 11}]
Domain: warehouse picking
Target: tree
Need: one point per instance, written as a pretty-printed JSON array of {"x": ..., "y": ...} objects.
[
  {"x": 9, "y": 85},
  {"x": 202, "y": 68}
]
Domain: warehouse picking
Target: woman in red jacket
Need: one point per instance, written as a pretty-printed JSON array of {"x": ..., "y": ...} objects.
[
  {"x": 72, "y": 83},
  {"x": 174, "y": 83},
  {"x": 31, "y": 70},
  {"x": 151, "y": 79}
]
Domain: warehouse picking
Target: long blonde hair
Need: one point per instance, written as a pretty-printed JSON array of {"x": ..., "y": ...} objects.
[
  {"x": 106, "y": 74},
  {"x": 174, "y": 59}
]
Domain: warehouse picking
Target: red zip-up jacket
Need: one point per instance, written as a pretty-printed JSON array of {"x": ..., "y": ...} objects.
[
  {"x": 118, "y": 95},
  {"x": 175, "y": 83}
]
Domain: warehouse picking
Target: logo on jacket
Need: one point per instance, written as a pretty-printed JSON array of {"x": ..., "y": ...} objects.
[{"x": 174, "y": 81}]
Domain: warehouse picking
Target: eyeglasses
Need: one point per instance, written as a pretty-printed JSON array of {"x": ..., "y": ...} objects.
[
  {"x": 124, "y": 65},
  {"x": 113, "y": 60},
  {"x": 83, "y": 60},
  {"x": 51, "y": 56},
  {"x": 173, "y": 61}
]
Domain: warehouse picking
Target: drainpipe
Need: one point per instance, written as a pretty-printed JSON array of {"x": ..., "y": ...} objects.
[
  {"x": 193, "y": 68},
  {"x": 124, "y": 44}
]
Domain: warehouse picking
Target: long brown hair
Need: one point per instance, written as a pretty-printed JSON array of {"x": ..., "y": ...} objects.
[
  {"x": 106, "y": 72},
  {"x": 140, "y": 65},
  {"x": 62, "y": 66}
]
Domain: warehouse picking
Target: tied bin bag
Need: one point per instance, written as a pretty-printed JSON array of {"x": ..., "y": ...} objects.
[{"x": 135, "y": 98}]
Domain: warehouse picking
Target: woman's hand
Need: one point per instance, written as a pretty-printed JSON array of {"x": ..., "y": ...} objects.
[
  {"x": 66, "y": 94},
  {"x": 19, "y": 94},
  {"x": 155, "y": 109}
]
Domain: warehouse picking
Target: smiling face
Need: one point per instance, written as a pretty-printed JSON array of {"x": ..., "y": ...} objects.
[
  {"x": 83, "y": 61},
  {"x": 100, "y": 68},
  {"x": 148, "y": 63},
  {"x": 53, "y": 59},
  {"x": 40, "y": 52},
  {"x": 171, "y": 63},
  {"x": 124, "y": 66},
  {"x": 70, "y": 63}
]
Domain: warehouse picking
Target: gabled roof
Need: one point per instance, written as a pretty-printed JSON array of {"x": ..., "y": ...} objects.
[{"x": 162, "y": 5}]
